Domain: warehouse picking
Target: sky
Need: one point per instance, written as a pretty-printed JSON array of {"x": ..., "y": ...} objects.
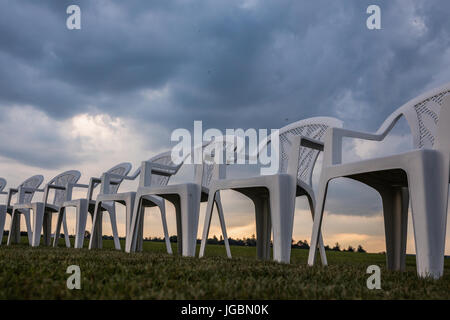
[{"x": 114, "y": 90}]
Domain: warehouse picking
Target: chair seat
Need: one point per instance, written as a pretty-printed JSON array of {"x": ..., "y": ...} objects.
[
  {"x": 259, "y": 182},
  {"x": 75, "y": 203},
  {"x": 51, "y": 207},
  {"x": 383, "y": 170}
]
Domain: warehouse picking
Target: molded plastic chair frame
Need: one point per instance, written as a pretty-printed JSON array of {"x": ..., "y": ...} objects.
[
  {"x": 86, "y": 206},
  {"x": 186, "y": 198},
  {"x": 43, "y": 211},
  {"x": 25, "y": 195},
  {"x": 128, "y": 200},
  {"x": 274, "y": 195},
  {"x": 420, "y": 175}
]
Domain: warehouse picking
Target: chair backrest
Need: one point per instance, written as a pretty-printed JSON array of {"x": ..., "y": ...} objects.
[
  {"x": 422, "y": 115},
  {"x": 121, "y": 169},
  {"x": 313, "y": 128},
  {"x": 71, "y": 176},
  {"x": 33, "y": 182},
  {"x": 2, "y": 184},
  {"x": 443, "y": 131},
  {"x": 164, "y": 158},
  {"x": 224, "y": 144}
]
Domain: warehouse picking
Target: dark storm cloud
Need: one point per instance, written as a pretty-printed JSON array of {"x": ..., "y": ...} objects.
[{"x": 219, "y": 59}]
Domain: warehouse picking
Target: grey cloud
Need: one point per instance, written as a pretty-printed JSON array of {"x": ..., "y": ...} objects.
[{"x": 224, "y": 64}]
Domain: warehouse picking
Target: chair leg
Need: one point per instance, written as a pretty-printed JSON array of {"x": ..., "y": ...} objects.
[
  {"x": 428, "y": 185},
  {"x": 112, "y": 217},
  {"x": 80, "y": 225},
  {"x": 3, "y": 214},
  {"x": 66, "y": 232},
  {"x": 140, "y": 237},
  {"x": 134, "y": 224},
  {"x": 14, "y": 228},
  {"x": 38, "y": 219},
  {"x": 263, "y": 226},
  {"x": 177, "y": 204},
  {"x": 395, "y": 212},
  {"x": 59, "y": 220},
  {"x": 96, "y": 234},
  {"x": 162, "y": 209},
  {"x": 190, "y": 207},
  {"x": 317, "y": 223},
  {"x": 282, "y": 208},
  {"x": 26, "y": 213},
  {"x": 222, "y": 224},
  {"x": 129, "y": 207},
  {"x": 323, "y": 254},
  {"x": 47, "y": 228},
  {"x": 207, "y": 223}
]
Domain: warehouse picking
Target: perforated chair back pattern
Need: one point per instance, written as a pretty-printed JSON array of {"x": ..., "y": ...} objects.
[
  {"x": 164, "y": 158},
  {"x": 313, "y": 128},
  {"x": 121, "y": 169},
  {"x": 62, "y": 180},
  {"x": 422, "y": 115},
  {"x": 33, "y": 182},
  {"x": 208, "y": 149}
]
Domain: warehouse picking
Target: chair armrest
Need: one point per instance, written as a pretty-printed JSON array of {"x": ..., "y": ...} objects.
[
  {"x": 333, "y": 142},
  {"x": 80, "y": 185},
  {"x": 116, "y": 176},
  {"x": 30, "y": 190},
  {"x": 311, "y": 143},
  {"x": 68, "y": 187},
  {"x": 341, "y": 133},
  {"x": 93, "y": 183},
  {"x": 163, "y": 170},
  {"x": 148, "y": 168},
  {"x": 3, "y": 192},
  {"x": 52, "y": 186},
  {"x": 298, "y": 142},
  {"x": 23, "y": 190},
  {"x": 11, "y": 192},
  {"x": 112, "y": 179},
  {"x": 47, "y": 189}
]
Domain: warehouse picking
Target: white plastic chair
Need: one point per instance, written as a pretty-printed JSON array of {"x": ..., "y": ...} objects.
[
  {"x": 25, "y": 193},
  {"x": 128, "y": 199},
  {"x": 43, "y": 211},
  {"x": 274, "y": 195},
  {"x": 186, "y": 198},
  {"x": 421, "y": 175},
  {"x": 87, "y": 205}
]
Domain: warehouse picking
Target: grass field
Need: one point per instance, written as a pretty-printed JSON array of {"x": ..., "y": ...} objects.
[{"x": 40, "y": 273}]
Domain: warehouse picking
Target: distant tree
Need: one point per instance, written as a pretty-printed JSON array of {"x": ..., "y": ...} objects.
[
  {"x": 301, "y": 244},
  {"x": 336, "y": 247},
  {"x": 87, "y": 234},
  {"x": 214, "y": 240},
  {"x": 251, "y": 242},
  {"x": 360, "y": 249},
  {"x": 350, "y": 249}
]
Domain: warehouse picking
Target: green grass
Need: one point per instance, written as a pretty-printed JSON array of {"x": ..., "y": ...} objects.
[{"x": 40, "y": 273}]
